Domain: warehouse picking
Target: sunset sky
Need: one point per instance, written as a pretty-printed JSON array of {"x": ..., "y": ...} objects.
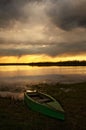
[{"x": 42, "y": 30}]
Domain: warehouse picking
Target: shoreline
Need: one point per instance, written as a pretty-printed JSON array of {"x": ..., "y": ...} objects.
[
  {"x": 47, "y": 78},
  {"x": 71, "y": 96},
  {"x": 61, "y": 63}
]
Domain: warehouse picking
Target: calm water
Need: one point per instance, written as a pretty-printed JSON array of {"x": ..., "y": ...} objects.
[
  {"x": 15, "y": 78},
  {"x": 41, "y": 74}
]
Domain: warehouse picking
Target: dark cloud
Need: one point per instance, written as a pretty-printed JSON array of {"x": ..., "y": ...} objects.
[
  {"x": 65, "y": 48},
  {"x": 41, "y": 27},
  {"x": 14, "y": 52},
  {"x": 68, "y": 14},
  {"x": 51, "y": 50},
  {"x": 65, "y": 14},
  {"x": 11, "y": 11}
]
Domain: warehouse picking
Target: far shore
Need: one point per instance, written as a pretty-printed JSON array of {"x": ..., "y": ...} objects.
[{"x": 64, "y": 63}]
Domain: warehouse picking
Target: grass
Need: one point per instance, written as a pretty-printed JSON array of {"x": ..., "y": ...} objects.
[{"x": 14, "y": 114}]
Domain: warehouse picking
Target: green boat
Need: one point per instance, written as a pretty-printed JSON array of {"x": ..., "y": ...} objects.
[{"x": 44, "y": 104}]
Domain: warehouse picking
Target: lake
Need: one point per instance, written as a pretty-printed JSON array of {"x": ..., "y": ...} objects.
[
  {"x": 42, "y": 74},
  {"x": 16, "y": 78}
]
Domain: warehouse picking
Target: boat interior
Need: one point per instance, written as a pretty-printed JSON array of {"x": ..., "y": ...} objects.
[{"x": 38, "y": 97}]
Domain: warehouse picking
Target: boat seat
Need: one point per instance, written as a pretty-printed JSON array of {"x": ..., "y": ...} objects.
[{"x": 44, "y": 100}]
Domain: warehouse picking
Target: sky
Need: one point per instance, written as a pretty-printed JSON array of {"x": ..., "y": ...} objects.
[{"x": 42, "y": 30}]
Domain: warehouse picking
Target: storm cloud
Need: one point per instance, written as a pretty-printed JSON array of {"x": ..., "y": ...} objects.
[
  {"x": 16, "y": 10},
  {"x": 10, "y": 10},
  {"x": 50, "y": 27},
  {"x": 68, "y": 14}
]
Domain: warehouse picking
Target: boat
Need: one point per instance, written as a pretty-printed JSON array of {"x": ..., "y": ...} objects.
[{"x": 44, "y": 104}]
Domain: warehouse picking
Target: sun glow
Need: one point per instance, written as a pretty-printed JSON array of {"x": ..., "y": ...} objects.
[{"x": 40, "y": 58}]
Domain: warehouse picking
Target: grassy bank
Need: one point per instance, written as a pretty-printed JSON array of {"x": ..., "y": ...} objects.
[{"x": 14, "y": 114}]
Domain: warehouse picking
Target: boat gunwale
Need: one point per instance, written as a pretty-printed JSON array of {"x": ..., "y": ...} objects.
[
  {"x": 45, "y": 104},
  {"x": 53, "y": 99}
]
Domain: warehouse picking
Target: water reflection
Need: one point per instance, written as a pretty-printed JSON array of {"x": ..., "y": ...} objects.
[
  {"x": 39, "y": 74},
  {"x": 14, "y": 80},
  {"x": 44, "y": 70}
]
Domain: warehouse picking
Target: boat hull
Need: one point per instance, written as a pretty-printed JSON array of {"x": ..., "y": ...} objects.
[{"x": 45, "y": 108}]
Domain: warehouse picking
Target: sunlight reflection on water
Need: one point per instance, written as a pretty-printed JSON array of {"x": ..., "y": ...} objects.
[
  {"x": 14, "y": 79},
  {"x": 40, "y": 74}
]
